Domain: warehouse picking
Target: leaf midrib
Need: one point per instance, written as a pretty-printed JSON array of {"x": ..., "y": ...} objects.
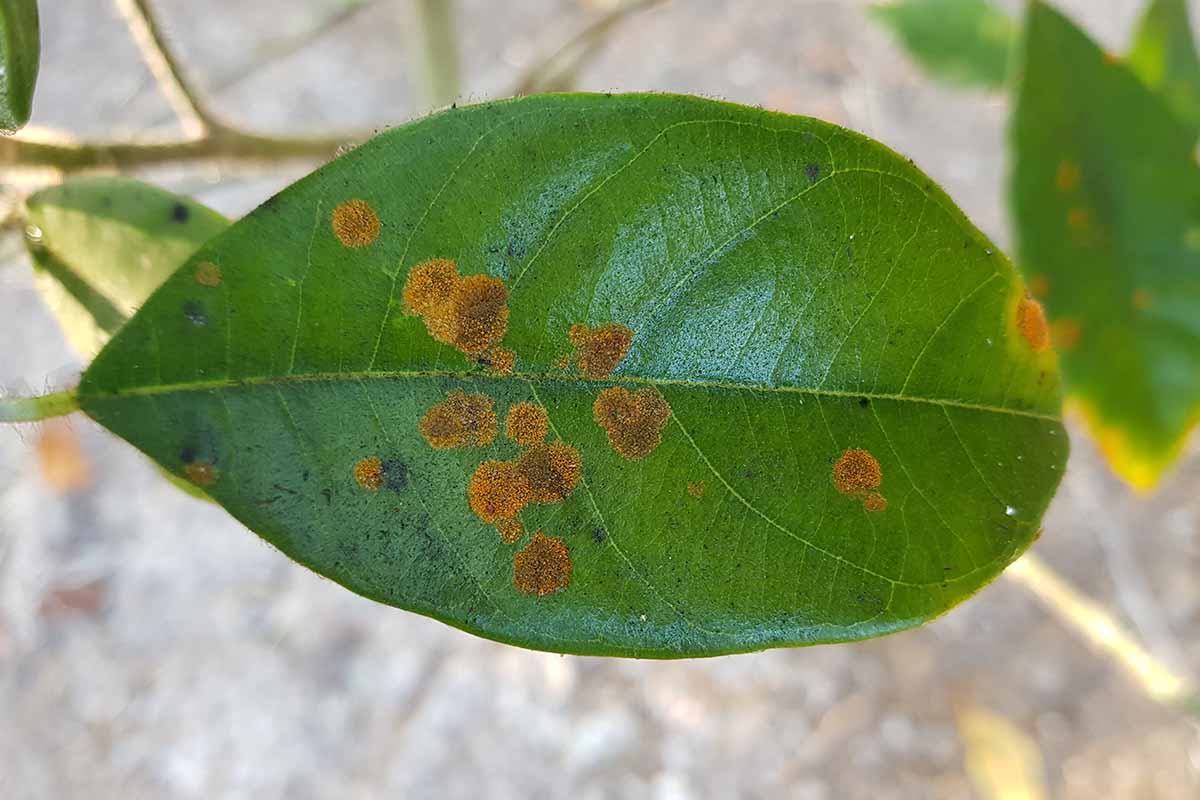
[{"x": 542, "y": 378}]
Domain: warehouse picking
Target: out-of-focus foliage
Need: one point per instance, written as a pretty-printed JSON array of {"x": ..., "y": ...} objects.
[{"x": 964, "y": 41}]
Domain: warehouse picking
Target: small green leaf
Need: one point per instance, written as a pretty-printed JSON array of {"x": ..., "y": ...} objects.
[
  {"x": 101, "y": 246},
  {"x": 1164, "y": 57},
  {"x": 1106, "y": 201},
  {"x": 963, "y": 41},
  {"x": 788, "y": 398},
  {"x": 19, "y": 49}
]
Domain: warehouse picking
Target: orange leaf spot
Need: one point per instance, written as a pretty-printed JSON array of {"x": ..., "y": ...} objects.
[
  {"x": 696, "y": 489},
  {"x": 600, "y": 350},
  {"x": 208, "y": 274},
  {"x": 527, "y": 424},
  {"x": 510, "y": 530},
  {"x": 497, "y": 491},
  {"x": 369, "y": 474},
  {"x": 355, "y": 223},
  {"x": 1031, "y": 322},
  {"x": 1066, "y": 333},
  {"x": 875, "y": 502},
  {"x": 542, "y": 566},
  {"x": 856, "y": 471},
  {"x": 551, "y": 471},
  {"x": 1066, "y": 177},
  {"x": 633, "y": 422},
  {"x": 201, "y": 473},
  {"x": 429, "y": 285},
  {"x": 461, "y": 420}
]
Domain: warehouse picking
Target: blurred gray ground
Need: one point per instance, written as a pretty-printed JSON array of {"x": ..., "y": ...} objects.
[{"x": 151, "y": 647}]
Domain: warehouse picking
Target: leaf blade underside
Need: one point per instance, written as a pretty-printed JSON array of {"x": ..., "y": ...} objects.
[{"x": 795, "y": 292}]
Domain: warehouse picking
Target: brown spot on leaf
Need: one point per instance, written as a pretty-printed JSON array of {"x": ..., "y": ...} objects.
[
  {"x": 1039, "y": 286},
  {"x": 478, "y": 313},
  {"x": 542, "y": 566},
  {"x": 1066, "y": 333},
  {"x": 355, "y": 223},
  {"x": 61, "y": 460},
  {"x": 208, "y": 274},
  {"x": 201, "y": 473},
  {"x": 1079, "y": 219},
  {"x": 856, "y": 471},
  {"x": 600, "y": 350},
  {"x": 497, "y": 490},
  {"x": 633, "y": 422},
  {"x": 551, "y": 471},
  {"x": 510, "y": 530},
  {"x": 501, "y": 360},
  {"x": 1141, "y": 299},
  {"x": 527, "y": 424},
  {"x": 1031, "y": 322},
  {"x": 429, "y": 285},
  {"x": 1066, "y": 177},
  {"x": 875, "y": 502},
  {"x": 696, "y": 489},
  {"x": 369, "y": 474},
  {"x": 469, "y": 313},
  {"x": 461, "y": 420}
]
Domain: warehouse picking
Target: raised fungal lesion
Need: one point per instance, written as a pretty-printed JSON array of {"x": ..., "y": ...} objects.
[
  {"x": 469, "y": 313},
  {"x": 857, "y": 474},
  {"x": 633, "y": 421},
  {"x": 355, "y": 223},
  {"x": 543, "y": 566},
  {"x": 460, "y": 420},
  {"x": 599, "y": 351}
]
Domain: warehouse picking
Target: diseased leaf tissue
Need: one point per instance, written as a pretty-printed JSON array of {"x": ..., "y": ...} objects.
[{"x": 638, "y": 375}]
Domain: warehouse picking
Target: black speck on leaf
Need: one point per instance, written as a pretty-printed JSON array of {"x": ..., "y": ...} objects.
[
  {"x": 864, "y": 401},
  {"x": 180, "y": 213},
  {"x": 195, "y": 314},
  {"x": 395, "y": 475},
  {"x": 599, "y": 535},
  {"x": 813, "y": 171}
]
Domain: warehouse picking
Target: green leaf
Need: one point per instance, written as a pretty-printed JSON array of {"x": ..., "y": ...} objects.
[
  {"x": 962, "y": 41},
  {"x": 101, "y": 246},
  {"x": 1164, "y": 57},
  {"x": 19, "y": 49},
  {"x": 803, "y": 304},
  {"x": 1106, "y": 195}
]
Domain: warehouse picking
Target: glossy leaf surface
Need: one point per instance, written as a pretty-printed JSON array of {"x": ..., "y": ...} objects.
[
  {"x": 826, "y": 426},
  {"x": 20, "y": 47},
  {"x": 963, "y": 41},
  {"x": 1164, "y": 57},
  {"x": 101, "y": 246},
  {"x": 1106, "y": 200}
]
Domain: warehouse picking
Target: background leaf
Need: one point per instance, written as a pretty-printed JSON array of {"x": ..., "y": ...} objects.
[
  {"x": 827, "y": 424},
  {"x": 1164, "y": 57},
  {"x": 19, "y": 50},
  {"x": 1105, "y": 198},
  {"x": 963, "y": 41},
  {"x": 102, "y": 245}
]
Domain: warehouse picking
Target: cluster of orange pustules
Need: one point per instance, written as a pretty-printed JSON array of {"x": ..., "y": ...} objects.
[
  {"x": 633, "y": 420},
  {"x": 857, "y": 474},
  {"x": 470, "y": 313}
]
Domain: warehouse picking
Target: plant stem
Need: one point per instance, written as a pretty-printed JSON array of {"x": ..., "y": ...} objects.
[
  {"x": 557, "y": 72},
  {"x": 32, "y": 409},
  {"x": 438, "y": 50},
  {"x": 1095, "y": 624},
  {"x": 181, "y": 94},
  {"x": 218, "y": 145}
]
